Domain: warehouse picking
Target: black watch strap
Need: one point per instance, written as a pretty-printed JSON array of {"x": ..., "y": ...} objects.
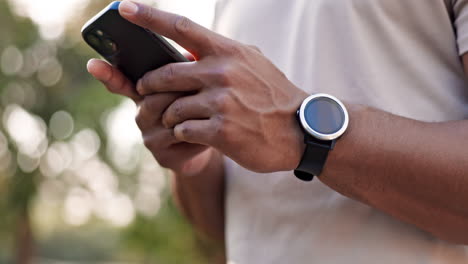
[{"x": 314, "y": 158}]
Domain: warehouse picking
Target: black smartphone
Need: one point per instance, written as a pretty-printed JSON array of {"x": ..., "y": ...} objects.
[{"x": 132, "y": 49}]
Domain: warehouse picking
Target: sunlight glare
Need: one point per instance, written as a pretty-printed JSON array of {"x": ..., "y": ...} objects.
[{"x": 50, "y": 15}]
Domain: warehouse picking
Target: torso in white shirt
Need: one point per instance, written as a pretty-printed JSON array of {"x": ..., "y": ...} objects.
[{"x": 397, "y": 55}]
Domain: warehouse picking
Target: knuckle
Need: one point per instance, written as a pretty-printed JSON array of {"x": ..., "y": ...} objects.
[
  {"x": 173, "y": 114},
  {"x": 238, "y": 50},
  {"x": 221, "y": 102},
  {"x": 147, "y": 15},
  {"x": 219, "y": 128},
  {"x": 167, "y": 72},
  {"x": 150, "y": 143},
  {"x": 145, "y": 114},
  {"x": 235, "y": 49},
  {"x": 182, "y": 24},
  {"x": 223, "y": 74},
  {"x": 110, "y": 88},
  {"x": 152, "y": 103},
  {"x": 178, "y": 110}
]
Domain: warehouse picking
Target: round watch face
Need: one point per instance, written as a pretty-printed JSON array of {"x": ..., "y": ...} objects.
[{"x": 324, "y": 117}]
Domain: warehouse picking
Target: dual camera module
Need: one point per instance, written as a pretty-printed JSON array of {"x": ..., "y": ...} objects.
[{"x": 102, "y": 42}]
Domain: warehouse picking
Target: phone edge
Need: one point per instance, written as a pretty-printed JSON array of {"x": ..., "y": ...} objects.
[{"x": 112, "y": 6}]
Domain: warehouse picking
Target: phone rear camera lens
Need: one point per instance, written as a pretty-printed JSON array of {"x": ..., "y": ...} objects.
[
  {"x": 94, "y": 41},
  {"x": 109, "y": 46}
]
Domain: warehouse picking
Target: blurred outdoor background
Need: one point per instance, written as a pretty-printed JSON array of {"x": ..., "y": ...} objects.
[{"x": 76, "y": 184}]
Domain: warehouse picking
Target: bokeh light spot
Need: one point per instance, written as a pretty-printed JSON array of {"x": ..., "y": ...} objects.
[
  {"x": 11, "y": 60},
  {"x": 30, "y": 64},
  {"x": 50, "y": 72},
  {"x": 28, "y": 131},
  {"x": 85, "y": 144},
  {"x": 120, "y": 211},
  {"x": 124, "y": 136},
  {"x": 13, "y": 94},
  {"x": 26, "y": 163},
  {"x": 78, "y": 207},
  {"x": 61, "y": 125},
  {"x": 57, "y": 159}
]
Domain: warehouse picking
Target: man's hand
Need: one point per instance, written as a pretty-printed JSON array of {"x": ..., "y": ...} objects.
[
  {"x": 183, "y": 158},
  {"x": 241, "y": 104}
]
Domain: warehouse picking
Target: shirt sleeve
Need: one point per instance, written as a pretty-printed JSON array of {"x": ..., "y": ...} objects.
[{"x": 460, "y": 13}]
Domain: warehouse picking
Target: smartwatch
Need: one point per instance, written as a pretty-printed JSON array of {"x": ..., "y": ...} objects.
[{"x": 323, "y": 119}]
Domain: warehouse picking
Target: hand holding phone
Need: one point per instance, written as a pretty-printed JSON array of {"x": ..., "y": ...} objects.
[
  {"x": 130, "y": 48},
  {"x": 134, "y": 51}
]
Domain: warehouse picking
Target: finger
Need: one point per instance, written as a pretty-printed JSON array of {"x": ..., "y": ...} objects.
[
  {"x": 159, "y": 139},
  {"x": 193, "y": 37},
  {"x": 188, "y": 107},
  {"x": 174, "y": 77},
  {"x": 197, "y": 131},
  {"x": 113, "y": 79},
  {"x": 150, "y": 110}
]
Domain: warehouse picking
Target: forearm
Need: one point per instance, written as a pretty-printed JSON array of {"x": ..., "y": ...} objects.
[
  {"x": 415, "y": 171},
  {"x": 201, "y": 197}
]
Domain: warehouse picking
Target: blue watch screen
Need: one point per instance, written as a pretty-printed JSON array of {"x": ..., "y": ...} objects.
[{"x": 324, "y": 115}]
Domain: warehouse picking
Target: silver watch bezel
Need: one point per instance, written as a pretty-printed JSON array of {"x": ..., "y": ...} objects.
[{"x": 318, "y": 135}]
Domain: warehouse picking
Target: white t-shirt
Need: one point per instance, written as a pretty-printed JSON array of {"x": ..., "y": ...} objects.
[{"x": 401, "y": 56}]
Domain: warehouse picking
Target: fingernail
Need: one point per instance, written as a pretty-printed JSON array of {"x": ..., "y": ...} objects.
[
  {"x": 96, "y": 70},
  {"x": 90, "y": 65},
  {"x": 128, "y": 8}
]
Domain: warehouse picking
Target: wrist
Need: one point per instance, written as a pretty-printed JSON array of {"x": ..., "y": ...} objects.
[
  {"x": 200, "y": 164},
  {"x": 296, "y": 145}
]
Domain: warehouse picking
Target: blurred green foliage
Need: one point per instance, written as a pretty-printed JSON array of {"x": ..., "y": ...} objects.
[{"x": 25, "y": 237}]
